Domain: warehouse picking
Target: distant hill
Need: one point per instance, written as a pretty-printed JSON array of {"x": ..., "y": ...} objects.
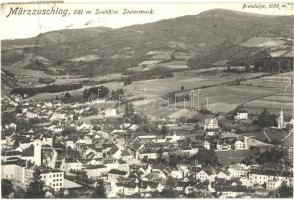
[{"x": 210, "y": 37}]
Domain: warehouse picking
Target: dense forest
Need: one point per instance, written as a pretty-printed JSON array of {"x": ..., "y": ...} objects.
[{"x": 274, "y": 64}]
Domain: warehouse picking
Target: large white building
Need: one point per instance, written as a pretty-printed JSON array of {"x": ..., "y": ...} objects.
[{"x": 24, "y": 175}]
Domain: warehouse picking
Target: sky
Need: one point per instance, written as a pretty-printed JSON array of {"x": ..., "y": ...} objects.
[{"x": 24, "y": 26}]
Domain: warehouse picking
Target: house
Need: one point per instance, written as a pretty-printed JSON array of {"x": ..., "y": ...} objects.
[
  {"x": 238, "y": 170},
  {"x": 173, "y": 138},
  {"x": 211, "y": 132},
  {"x": 146, "y": 152},
  {"x": 211, "y": 124},
  {"x": 114, "y": 174},
  {"x": 116, "y": 164},
  {"x": 94, "y": 171},
  {"x": 177, "y": 173},
  {"x": 246, "y": 182},
  {"x": 126, "y": 189},
  {"x": 206, "y": 174},
  {"x": 239, "y": 145},
  {"x": 261, "y": 176},
  {"x": 68, "y": 165},
  {"x": 224, "y": 175},
  {"x": 149, "y": 186},
  {"x": 272, "y": 185},
  {"x": 110, "y": 112},
  {"x": 206, "y": 145},
  {"x": 241, "y": 114},
  {"x": 223, "y": 146}
]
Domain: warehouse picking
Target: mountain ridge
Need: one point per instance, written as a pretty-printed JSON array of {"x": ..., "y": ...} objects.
[{"x": 206, "y": 37}]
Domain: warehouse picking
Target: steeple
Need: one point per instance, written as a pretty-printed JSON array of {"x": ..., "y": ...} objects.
[
  {"x": 280, "y": 120},
  {"x": 281, "y": 113}
]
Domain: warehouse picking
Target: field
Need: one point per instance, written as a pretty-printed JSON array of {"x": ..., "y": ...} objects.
[
  {"x": 174, "y": 65},
  {"x": 233, "y": 156},
  {"x": 283, "y": 98},
  {"x": 255, "y": 94},
  {"x": 187, "y": 79}
]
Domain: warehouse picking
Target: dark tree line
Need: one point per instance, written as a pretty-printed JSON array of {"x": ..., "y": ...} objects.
[
  {"x": 98, "y": 91},
  {"x": 30, "y": 91},
  {"x": 274, "y": 64}
]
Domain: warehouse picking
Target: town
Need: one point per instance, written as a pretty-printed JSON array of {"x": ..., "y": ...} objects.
[
  {"x": 189, "y": 102},
  {"x": 72, "y": 152}
]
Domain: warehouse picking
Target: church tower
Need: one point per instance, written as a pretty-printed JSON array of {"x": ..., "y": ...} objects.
[
  {"x": 38, "y": 152},
  {"x": 280, "y": 120}
]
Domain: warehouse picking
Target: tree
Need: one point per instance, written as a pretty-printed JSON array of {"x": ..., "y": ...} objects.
[
  {"x": 206, "y": 157},
  {"x": 168, "y": 193},
  {"x": 18, "y": 109},
  {"x": 99, "y": 191},
  {"x": 265, "y": 119},
  {"x": 36, "y": 188},
  {"x": 129, "y": 110},
  {"x": 19, "y": 193},
  {"x": 67, "y": 96},
  {"x": 182, "y": 88},
  {"x": 285, "y": 191},
  {"x": 6, "y": 188},
  {"x": 273, "y": 155},
  {"x": 82, "y": 176},
  {"x": 164, "y": 130}
]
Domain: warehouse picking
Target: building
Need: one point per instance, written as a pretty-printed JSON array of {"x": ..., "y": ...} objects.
[
  {"x": 110, "y": 112},
  {"x": 71, "y": 165},
  {"x": 206, "y": 174},
  {"x": 273, "y": 185},
  {"x": 241, "y": 114},
  {"x": 223, "y": 146},
  {"x": 211, "y": 124},
  {"x": 95, "y": 171},
  {"x": 238, "y": 170},
  {"x": 239, "y": 145},
  {"x": 260, "y": 176},
  {"x": 53, "y": 178},
  {"x": 22, "y": 173},
  {"x": 280, "y": 120},
  {"x": 114, "y": 174}
]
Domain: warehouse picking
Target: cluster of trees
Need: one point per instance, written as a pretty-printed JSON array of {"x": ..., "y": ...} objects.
[
  {"x": 204, "y": 157},
  {"x": 284, "y": 191},
  {"x": 132, "y": 116},
  {"x": 172, "y": 97},
  {"x": 98, "y": 92},
  {"x": 274, "y": 64},
  {"x": 99, "y": 191},
  {"x": 273, "y": 155},
  {"x": 116, "y": 94},
  {"x": 30, "y": 91},
  {"x": 47, "y": 80},
  {"x": 265, "y": 119}
]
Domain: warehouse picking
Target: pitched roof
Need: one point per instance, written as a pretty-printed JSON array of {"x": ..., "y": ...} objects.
[{"x": 118, "y": 172}]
